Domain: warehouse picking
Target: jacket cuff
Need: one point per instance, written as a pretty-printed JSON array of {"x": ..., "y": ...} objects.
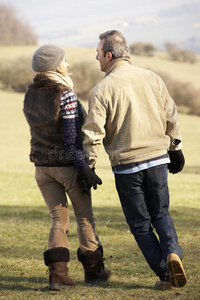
[{"x": 175, "y": 145}]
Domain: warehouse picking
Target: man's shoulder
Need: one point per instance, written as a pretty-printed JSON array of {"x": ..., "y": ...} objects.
[{"x": 99, "y": 87}]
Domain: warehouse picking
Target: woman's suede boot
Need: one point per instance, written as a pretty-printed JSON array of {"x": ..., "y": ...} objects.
[
  {"x": 93, "y": 265},
  {"x": 56, "y": 259}
]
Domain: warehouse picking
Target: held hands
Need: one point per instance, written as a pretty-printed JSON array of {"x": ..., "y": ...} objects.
[
  {"x": 87, "y": 179},
  {"x": 177, "y": 161}
]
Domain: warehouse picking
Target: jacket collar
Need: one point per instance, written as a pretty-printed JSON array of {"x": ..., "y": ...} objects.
[{"x": 115, "y": 62}]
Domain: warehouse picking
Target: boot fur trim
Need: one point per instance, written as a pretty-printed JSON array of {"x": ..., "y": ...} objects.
[
  {"x": 57, "y": 254},
  {"x": 89, "y": 257}
]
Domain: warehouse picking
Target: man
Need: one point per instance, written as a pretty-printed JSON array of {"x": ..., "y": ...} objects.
[{"x": 132, "y": 112}]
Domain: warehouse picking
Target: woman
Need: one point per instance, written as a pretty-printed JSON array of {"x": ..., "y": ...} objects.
[{"x": 55, "y": 117}]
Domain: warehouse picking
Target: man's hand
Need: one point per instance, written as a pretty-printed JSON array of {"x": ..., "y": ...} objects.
[
  {"x": 177, "y": 161},
  {"x": 87, "y": 179}
]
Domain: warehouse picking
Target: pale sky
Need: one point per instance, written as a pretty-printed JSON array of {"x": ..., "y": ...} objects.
[{"x": 79, "y": 22}]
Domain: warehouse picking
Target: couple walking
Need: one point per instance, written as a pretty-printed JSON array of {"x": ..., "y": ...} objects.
[{"x": 131, "y": 111}]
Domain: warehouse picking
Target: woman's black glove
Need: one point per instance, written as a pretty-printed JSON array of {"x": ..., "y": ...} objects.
[
  {"x": 87, "y": 179},
  {"x": 177, "y": 161}
]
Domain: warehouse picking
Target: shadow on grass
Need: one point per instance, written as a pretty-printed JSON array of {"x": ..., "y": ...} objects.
[
  {"x": 25, "y": 243},
  {"x": 25, "y": 234},
  {"x": 23, "y": 212},
  {"x": 16, "y": 283},
  {"x": 116, "y": 285},
  {"x": 184, "y": 217},
  {"x": 21, "y": 284}
]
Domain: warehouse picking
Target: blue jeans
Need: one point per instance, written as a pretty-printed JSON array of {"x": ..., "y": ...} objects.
[{"x": 144, "y": 198}]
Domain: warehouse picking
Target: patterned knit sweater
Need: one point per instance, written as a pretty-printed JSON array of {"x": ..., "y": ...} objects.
[{"x": 71, "y": 129}]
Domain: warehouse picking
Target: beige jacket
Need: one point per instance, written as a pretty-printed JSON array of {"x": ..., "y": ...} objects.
[{"x": 131, "y": 111}]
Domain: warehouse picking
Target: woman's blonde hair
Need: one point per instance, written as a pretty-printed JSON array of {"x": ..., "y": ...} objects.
[{"x": 61, "y": 69}]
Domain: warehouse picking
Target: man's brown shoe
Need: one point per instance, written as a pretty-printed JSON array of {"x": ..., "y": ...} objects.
[{"x": 177, "y": 275}]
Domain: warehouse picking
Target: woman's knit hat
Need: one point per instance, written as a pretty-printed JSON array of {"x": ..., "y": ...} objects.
[{"x": 47, "y": 58}]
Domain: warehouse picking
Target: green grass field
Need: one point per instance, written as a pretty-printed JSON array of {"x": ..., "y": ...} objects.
[
  {"x": 24, "y": 219},
  {"x": 24, "y": 222}
]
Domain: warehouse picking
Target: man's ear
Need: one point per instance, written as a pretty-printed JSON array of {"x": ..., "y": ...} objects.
[{"x": 109, "y": 56}]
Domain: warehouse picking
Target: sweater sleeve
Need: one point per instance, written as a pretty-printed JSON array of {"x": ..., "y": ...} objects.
[{"x": 71, "y": 129}]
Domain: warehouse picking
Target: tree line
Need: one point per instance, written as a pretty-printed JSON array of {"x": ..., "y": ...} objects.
[
  {"x": 16, "y": 75},
  {"x": 175, "y": 53}
]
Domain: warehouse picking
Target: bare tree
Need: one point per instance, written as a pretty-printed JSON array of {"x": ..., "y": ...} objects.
[
  {"x": 14, "y": 31},
  {"x": 140, "y": 48},
  {"x": 137, "y": 48},
  {"x": 178, "y": 54}
]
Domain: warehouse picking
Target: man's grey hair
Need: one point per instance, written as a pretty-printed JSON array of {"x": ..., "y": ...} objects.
[{"x": 115, "y": 43}]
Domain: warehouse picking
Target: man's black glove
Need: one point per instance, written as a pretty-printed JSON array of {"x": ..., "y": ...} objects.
[
  {"x": 177, "y": 161},
  {"x": 87, "y": 179}
]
